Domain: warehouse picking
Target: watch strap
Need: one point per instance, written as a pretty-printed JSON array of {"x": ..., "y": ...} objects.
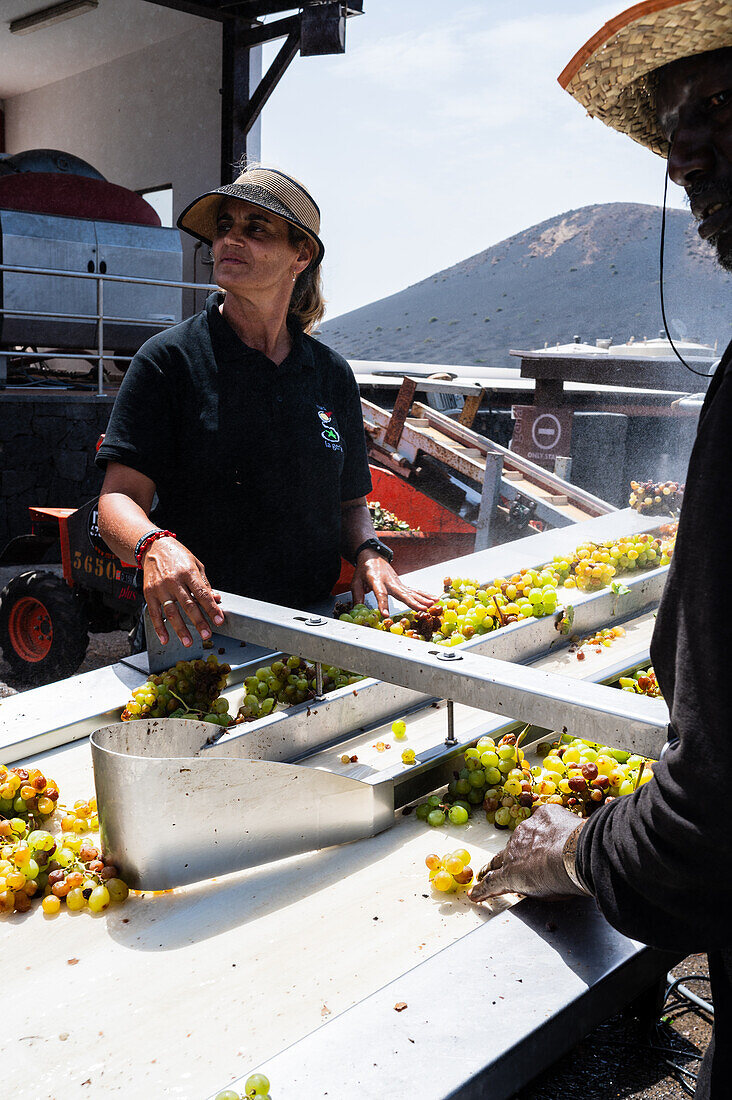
[{"x": 376, "y": 545}]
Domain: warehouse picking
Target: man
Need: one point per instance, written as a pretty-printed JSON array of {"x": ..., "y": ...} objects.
[{"x": 659, "y": 862}]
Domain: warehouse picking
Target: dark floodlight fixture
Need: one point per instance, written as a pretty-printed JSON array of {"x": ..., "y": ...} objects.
[
  {"x": 323, "y": 29},
  {"x": 46, "y": 17}
]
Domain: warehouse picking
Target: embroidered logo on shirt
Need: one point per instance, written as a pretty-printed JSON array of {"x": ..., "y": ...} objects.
[{"x": 329, "y": 434}]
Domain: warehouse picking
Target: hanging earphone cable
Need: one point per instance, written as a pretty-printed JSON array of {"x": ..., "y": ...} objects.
[{"x": 676, "y": 352}]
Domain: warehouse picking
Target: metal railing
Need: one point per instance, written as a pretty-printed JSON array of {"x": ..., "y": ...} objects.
[{"x": 97, "y": 318}]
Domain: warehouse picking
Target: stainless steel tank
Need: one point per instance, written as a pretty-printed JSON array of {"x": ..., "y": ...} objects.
[
  {"x": 77, "y": 244},
  {"x": 31, "y": 236}
]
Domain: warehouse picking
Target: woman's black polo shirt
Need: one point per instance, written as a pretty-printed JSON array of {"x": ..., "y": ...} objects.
[{"x": 250, "y": 461}]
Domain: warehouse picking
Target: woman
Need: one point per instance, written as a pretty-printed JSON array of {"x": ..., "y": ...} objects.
[{"x": 248, "y": 429}]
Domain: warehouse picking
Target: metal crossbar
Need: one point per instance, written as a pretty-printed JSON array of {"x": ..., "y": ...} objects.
[{"x": 98, "y": 318}]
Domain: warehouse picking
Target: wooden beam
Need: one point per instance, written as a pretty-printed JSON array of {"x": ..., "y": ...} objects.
[
  {"x": 402, "y": 405},
  {"x": 470, "y": 409}
]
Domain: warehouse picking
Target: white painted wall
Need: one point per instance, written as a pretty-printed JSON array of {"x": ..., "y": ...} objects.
[{"x": 149, "y": 118}]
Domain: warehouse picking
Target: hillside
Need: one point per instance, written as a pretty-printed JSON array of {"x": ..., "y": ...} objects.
[{"x": 591, "y": 272}]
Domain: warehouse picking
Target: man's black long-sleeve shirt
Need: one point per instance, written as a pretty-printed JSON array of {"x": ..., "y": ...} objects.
[{"x": 660, "y": 861}]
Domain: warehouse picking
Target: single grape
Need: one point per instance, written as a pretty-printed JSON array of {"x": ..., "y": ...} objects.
[
  {"x": 118, "y": 890},
  {"x": 458, "y": 815},
  {"x": 435, "y": 818},
  {"x": 99, "y": 899},
  {"x": 256, "y": 1085},
  {"x": 50, "y": 905},
  {"x": 75, "y": 900},
  {"x": 399, "y": 729}
]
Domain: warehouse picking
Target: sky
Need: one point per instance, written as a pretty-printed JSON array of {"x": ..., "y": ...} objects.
[{"x": 441, "y": 131}]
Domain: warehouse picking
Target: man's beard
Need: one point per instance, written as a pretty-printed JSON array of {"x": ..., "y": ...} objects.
[
  {"x": 721, "y": 242},
  {"x": 722, "y": 245}
]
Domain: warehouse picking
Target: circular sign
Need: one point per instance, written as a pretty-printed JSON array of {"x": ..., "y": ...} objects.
[{"x": 546, "y": 431}]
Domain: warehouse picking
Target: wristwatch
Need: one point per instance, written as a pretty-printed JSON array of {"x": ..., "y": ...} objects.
[{"x": 377, "y": 545}]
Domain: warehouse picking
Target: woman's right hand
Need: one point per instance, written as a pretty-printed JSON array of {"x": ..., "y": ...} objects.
[{"x": 174, "y": 579}]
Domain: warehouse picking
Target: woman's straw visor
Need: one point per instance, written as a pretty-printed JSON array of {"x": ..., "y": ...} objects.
[
  {"x": 264, "y": 187},
  {"x": 612, "y": 75}
]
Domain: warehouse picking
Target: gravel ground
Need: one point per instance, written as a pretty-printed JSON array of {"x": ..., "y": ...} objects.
[
  {"x": 104, "y": 649},
  {"x": 618, "y": 1059}
]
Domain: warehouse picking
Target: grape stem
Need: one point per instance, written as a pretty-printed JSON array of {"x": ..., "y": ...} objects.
[{"x": 184, "y": 704}]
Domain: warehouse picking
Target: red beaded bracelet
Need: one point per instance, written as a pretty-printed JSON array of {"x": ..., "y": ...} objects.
[{"x": 146, "y": 542}]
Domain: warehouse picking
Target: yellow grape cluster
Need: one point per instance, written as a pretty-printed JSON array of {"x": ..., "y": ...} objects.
[
  {"x": 26, "y": 793},
  {"x": 656, "y": 497},
  {"x": 468, "y": 607},
  {"x": 450, "y": 873},
  {"x": 641, "y": 682},
  {"x": 582, "y": 775},
  {"x": 81, "y": 818},
  {"x": 65, "y": 868},
  {"x": 598, "y": 640},
  {"x": 189, "y": 690}
]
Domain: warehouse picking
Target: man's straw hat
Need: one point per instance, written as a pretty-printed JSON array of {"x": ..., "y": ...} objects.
[
  {"x": 264, "y": 187},
  {"x": 611, "y": 76}
]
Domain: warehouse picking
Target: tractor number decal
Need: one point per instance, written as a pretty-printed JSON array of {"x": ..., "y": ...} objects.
[{"x": 93, "y": 566}]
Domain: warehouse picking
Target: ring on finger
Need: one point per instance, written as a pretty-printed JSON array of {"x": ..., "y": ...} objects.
[{"x": 166, "y": 602}]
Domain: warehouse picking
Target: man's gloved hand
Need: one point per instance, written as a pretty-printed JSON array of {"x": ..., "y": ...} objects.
[{"x": 532, "y": 862}]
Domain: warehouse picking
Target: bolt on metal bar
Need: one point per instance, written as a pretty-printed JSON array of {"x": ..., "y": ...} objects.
[{"x": 451, "y": 738}]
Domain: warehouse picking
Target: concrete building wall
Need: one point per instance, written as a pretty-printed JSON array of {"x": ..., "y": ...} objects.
[{"x": 144, "y": 120}]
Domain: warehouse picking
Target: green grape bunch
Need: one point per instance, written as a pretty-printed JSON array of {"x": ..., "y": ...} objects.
[
  {"x": 191, "y": 689},
  {"x": 287, "y": 681}
]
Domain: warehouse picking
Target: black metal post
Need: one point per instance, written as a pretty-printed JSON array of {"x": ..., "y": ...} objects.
[{"x": 234, "y": 96}]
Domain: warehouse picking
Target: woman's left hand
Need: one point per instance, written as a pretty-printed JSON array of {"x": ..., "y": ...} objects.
[{"x": 374, "y": 574}]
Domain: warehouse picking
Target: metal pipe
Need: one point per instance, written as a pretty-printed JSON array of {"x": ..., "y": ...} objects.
[
  {"x": 59, "y": 353},
  {"x": 100, "y": 336},
  {"x": 85, "y": 317},
  {"x": 676, "y": 985},
  {"x": 109, "y": 278}
]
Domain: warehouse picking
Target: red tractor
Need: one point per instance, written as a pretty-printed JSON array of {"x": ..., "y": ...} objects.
[{"x": 45, "y": 619}]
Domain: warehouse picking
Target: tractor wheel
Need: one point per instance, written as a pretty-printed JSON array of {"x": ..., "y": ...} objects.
[{"x": 43, "y": 632}]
